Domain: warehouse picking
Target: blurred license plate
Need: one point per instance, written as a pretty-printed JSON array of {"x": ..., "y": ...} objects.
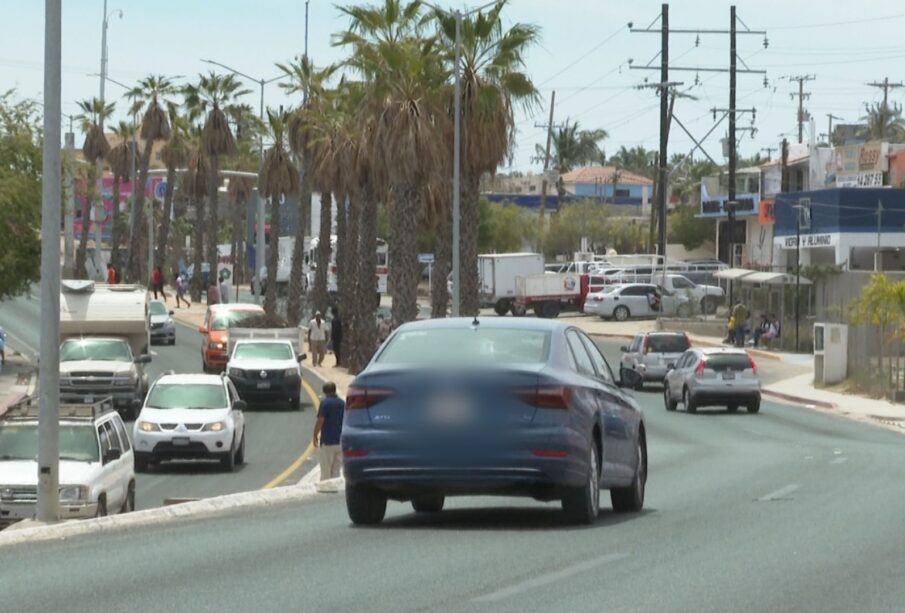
[
  {"x": 728, "y": 375},
  {"x": 264, "y": 385},
  {"x": 89, "y": 399},
  {"x": 180, "y": 440},
  {"x": 451, "y": 410}
]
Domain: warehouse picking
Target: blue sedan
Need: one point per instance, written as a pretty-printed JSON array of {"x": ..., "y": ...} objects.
[{"x": 501, "y": 406}]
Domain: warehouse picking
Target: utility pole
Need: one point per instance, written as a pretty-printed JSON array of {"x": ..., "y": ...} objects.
[
  {"x": 769, "y": 151},
  {"x": 829, "y": 130},
  {"x": 665, "y": 109},
  {"x": 802, "y": 96},
  {"x": 885, "y": 85},
  {"x": 784, "y": 167},
  {"x": 543, "y": 192},
  {"x": 878, "y": 262},
  {"x": 49, "y": 366},
  {"x": 733, "y": 159}
]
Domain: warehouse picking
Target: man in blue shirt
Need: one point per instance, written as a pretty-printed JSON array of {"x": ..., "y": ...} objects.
[{"x": 327, "y": 430}]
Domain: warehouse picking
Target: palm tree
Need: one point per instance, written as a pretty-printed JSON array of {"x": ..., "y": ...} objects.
[
  {"x": 120, "y": 160},
  {"x": 493, "y": 81},
  {"x": 310, "y": 82},
  {"x": 174, "y": 156},
  {"x": 214, "y": 96},
  {"x": 95, "y": 148},
  {"x": 278, "y": 179},
  {"x": 405, "y": 76},
  {"x": 195, "y": 185},
  {"x": 885, "y": 122},
  {"x": 150, "y": 93},
  {"x": 574, "y": 147},
  {"x": 246, "y": 159},
  {"x": 637, "y": 160}
]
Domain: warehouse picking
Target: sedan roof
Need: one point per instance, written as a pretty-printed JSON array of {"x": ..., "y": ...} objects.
[{"x": 464, "y": 323}]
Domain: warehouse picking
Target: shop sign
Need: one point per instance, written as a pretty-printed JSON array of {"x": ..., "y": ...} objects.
[
  {"x": 862, "y": 179},
  {"x": 809, "y": 241},
  {"x": 854, "y": 159},
  {"x": 765, "y": 212}
]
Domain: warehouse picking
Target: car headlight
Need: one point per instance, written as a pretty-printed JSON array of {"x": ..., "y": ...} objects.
[
  {"x": 148, "y": 426},
  {"x": 73, "y": 493},
  {"x": 290, "y": 372},
  {"x": 216, "y": 426},
  {"x": 236, "y": 372},
  {"x": 218, "y": 345},
  {"x": 6, "y": 493}
]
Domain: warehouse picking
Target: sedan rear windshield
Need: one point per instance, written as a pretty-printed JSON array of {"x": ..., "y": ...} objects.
[
  {"x": 668, "y": 343},
  {"x": 728, "y": 361},
  {"x": 187, "y": 396},
  {"x": 454, "y": 346},
  {"x": 94, "y": 349}
]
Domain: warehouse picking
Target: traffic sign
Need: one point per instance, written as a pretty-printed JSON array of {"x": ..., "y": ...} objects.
[{"x": 425, "y": 258}]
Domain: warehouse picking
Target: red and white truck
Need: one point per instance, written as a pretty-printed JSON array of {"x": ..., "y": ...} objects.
[{"x": 549, "y": 294}]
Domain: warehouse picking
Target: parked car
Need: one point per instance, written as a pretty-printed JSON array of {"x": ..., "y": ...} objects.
[
  {"x": 187, "y": 417},
  {"x": 215, "y": 331},
  {"x": 651, "y": 352},
  {"x": 712, "y": 377},
  {"x": 266, "y": 372},
  {"x": 455, "y": 407},
  {"x": 96, "y": 465},
  {"x": 622, "y": 302},
  {"x": 163, "y": 328}
]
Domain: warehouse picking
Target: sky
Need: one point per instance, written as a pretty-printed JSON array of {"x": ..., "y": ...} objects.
[{"x": 583, "y": 55}]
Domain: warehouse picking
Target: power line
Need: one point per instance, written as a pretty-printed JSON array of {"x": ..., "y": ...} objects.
[
  {"x": 589, "y": 52},
  {"x": 830, "y": 24}
]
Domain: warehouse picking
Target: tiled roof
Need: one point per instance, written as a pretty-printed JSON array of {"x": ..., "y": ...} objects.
[{"x": 604, "y": 174}]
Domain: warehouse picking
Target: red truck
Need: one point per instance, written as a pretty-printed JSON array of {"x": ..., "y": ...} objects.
[{"x": 551, "y": 293}]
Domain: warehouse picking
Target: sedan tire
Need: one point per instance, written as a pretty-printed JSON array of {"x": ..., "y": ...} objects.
[
  {"x": 631, "y": 499},
  {"x": 754, "y": 406},
  {"x": 621, "y": 313},
  {"x": 688, "y": 400},
  {"x": 366, "y": 506},
  {"x": 428, "y": 504},
  {"x": 582, "y": 504},
  {"x": 667, "y": 398}
]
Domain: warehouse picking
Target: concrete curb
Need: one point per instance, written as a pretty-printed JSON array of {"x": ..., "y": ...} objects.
[
  {"x": 800, "y": 399},
  {"x": 207, "y": 508}
]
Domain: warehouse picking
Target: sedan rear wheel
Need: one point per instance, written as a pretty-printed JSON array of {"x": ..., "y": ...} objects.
[
  {"x": 754, "y": 406},
  {"x": 428, "y": 504},
  {"x": 621, "y": 313},
  {"x": 582, "y": 504},
  {"x": 631, "y": 499},
  {"x": 667, "y": 398},
  {"x": 688, "y": 401},
  {"x": 365, "y": 505}
]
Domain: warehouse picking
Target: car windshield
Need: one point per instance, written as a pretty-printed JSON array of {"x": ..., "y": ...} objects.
[
  {"x": 158, "y": 308},
  {"x": 20, "y": 442},
  {"x": 95, "y": 349},
  {"x": 187, "y": 395},
  {"x": 265, "y": 351},
  {"x": 223, "y": 321},
  {"x": 667, "y": 343},
  {"x": 475, "y": 346}
]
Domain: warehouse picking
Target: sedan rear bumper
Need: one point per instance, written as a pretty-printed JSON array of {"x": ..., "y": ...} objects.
[{"x": 714, "y": 397}]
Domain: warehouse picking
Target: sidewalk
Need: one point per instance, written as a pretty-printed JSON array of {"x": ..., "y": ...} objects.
[{"x": 18, "y": 379}]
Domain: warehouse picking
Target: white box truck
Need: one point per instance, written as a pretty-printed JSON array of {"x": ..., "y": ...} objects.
[{"x": 497, "y": 274}]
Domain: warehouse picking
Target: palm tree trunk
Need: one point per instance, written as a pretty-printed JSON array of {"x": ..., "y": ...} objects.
[
  {"x": 468, "y": 246},
  {"x": 213, "y": 187},
  {"x": 236, "y": 244},
  {"x": 137, "y": 239},
  {"x": 297, "y": 280},
  {"x": 365, "y": 340},
  {"x": 198, "y": 250},
  {"x": 163, "y": 236},
  {"x": 177, "y": 233},
  {"x": 81, "y": 254},
  {"x": 320, "y": 296},
  {"x": 115, "y": 238},
  {"x": 342, "y": 250},
  {"x": 405, "y": 271},
  {"x": 442, "y": 266},
  {"x": 349, "y": 276},
  {"x": 273, "y": 256}
]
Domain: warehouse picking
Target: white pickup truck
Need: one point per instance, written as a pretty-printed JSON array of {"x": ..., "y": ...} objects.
[{"x": 703, "y": 297}]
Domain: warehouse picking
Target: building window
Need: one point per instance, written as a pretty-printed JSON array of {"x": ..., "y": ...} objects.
[
  {"x": 622, "y": 193},
  {"x": 532, "y": 188}
]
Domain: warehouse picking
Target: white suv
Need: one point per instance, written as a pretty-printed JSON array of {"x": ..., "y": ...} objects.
[
  {"x": 97, "y": 476},
  {"x": 187, "y": 417}
]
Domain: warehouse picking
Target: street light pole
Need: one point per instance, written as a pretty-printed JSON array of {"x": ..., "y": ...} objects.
[
  {"x": 100, "y": 211},
  {"x": 457, "y": 152},
  {"x": 49, "y": 365}
]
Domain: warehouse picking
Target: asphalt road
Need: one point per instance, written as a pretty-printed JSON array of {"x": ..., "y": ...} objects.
[
  {"x": 788, "y": 510},
  {"x": 276, "y": 438}
]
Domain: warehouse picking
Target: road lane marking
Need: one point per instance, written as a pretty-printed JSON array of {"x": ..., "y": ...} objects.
[
  {"x": 549, "y": 578},
  {"x": 780, "y": 493},
  {"x": 305, "y": 454},
  {"x": 839, "y": 460}
]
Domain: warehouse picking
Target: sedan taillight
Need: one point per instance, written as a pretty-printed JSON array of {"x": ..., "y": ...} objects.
[
  {"x": 366, "y": 397},
  {"x": 546, "y": 396}
]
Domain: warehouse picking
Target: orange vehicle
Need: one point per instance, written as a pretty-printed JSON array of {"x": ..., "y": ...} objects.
[{"x": 215, "y": 332}]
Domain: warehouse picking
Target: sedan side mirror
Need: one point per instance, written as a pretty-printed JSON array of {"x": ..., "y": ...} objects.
[
  {"x": 143, "y": 359},
  {"x": 113, "y": 454},
  {"x": 623, "y": 349},
  {"x": 202, "y": 329},
  {"x": 629, "y": 378},
  {"x": 301, "y": 357},
  {"x": 240, "y": 405}
]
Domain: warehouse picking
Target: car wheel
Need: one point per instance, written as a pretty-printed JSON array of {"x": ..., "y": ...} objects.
[
  {"x": 141, "y": 465},
  {"x": 688, "y": 401},
  {"x": 582, "y": 504},
  {"x": 129, "y": 502},
  {"x": 631, "y": 499},
  {"x": 366, "y": 506},
  {"x": 228, "y": 461},
  {"x": 754, "y": 406},
  {"x": 101, "y": 507},
  {"x": 240, "y": 452},
  {"x": 667, "y": 398},
  {"x": 550, "y": 309},
  {"x": 501, "y": 307},
  {"x": 173, "y": 341},
  {"x": 295, "y": 403},
  {"x": 518, "y": 310},
  {"x": 621, "y": 313},
  {"x": 732, "y": 408},
  {"x": 428, "y": 504}
]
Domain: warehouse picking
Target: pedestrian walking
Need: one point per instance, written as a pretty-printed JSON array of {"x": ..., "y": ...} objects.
[
  {"x": 317, "y": 338},
  {"x": 157, "y": 283},
  {"x": 2, "y": 347},
  {"x": 111, "y": 274},
  {"x": 740, "y": 315},
  {"x": 213, "y": 292},
  {"x": 181, "y": 290},
  {"x": 336, "y": 334},
  {"x": 327, "y": 431},
  {"x": 225, "y": 287}
]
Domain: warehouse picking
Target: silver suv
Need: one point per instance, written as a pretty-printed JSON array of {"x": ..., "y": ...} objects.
[
  {"x": 650, "y": 353},
  {"x": 712, "y": 377}
]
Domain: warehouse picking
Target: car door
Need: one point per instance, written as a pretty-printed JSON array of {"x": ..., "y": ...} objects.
[
  {"x": 673, "y": 376},
  {"x": 631, "y": 357},
  {"x": 238, "y": 416},
  {"x": 126, "y": 463},
  {"x": 109, "y": 480},
  {"x": 635, "y": 298},
  {"x": 586, "y": 394},
  {"x": 622, "y": 418}
]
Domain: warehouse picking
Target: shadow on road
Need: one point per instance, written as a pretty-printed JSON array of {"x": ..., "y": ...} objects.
[
  {"x": 516, "y": 519},
  {"x": 191, "y": 467}
]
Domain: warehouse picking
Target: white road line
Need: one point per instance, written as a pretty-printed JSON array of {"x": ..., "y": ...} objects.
[
  {"x": 839, "y": 460},
  {"x": 780, "y": 493},
  {"x": 549, "y": 578}
]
